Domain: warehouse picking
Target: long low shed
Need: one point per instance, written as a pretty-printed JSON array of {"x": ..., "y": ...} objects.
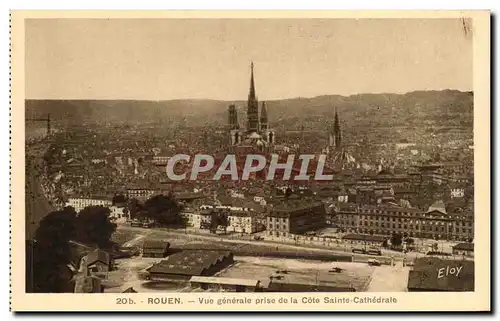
[
  {"x": 183, "y": 265},
  {"x": 231, "y": 284}
]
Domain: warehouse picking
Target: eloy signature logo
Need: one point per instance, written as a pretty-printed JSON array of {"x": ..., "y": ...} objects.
[{"x": 442, "y": 272}]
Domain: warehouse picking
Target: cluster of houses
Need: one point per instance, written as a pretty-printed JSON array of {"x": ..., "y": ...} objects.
[
  {"x": 118, "y": 212},
  {"x": 298, "y": 214},
  {"x": 243, "y": 216},
  {"x": 381, "y": 204},
  {"x": 92, "y": 272}
]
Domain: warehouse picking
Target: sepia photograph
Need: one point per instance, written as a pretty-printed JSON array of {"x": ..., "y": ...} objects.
[{"x": 181, "y": 155}]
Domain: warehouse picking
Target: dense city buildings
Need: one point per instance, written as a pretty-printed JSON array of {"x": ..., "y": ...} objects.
[
  {"x": 380, "y": 187},
  {"x": 387, "y": 189}
]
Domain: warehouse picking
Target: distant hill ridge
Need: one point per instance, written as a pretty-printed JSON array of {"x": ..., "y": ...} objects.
[{"x": 445, "y": 107}]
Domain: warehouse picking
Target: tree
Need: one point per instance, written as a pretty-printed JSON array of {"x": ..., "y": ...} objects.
[
  {"x": 164, "y": 209},
  {"x": 52, "y": 252},
  {"x": 94, "y": 226},
  {"x": 133, "y": 207},
  {"x": 218, "y": 218},
  {"x": 119, "y": 199},
  {"x": 396, "y": 240}
]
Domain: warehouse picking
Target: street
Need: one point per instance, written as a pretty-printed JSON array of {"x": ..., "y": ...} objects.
[{"x": 182, "y": 237}]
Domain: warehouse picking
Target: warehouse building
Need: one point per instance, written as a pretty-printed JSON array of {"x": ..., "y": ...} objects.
[
  {"x": 281, "y": 286},
  {"x": 155, "y": 248},
  {"x": 227, "y": 284},
  {"x": 188, "y": 263},
  {"x": 466, "y": 249}
]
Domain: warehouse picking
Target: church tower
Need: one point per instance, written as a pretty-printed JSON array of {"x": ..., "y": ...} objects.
[
  {"x": 340, "y": 158},
  {"x": 263, "y": 117},
  {"x": 268, "y": 134},
  {"x": 335, "y": 136},
  {"x": 235, "y": 135},
  {"x": 252, "y": 106},
  {"x": 337, "y": 132},
  {"x": 233, "y": 118}
]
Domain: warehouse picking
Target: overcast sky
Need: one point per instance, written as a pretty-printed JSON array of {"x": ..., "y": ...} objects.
[{"x": 173, "y": 59}]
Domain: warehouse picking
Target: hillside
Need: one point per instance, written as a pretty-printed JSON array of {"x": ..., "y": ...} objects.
[{"x": 419, "y": 108}]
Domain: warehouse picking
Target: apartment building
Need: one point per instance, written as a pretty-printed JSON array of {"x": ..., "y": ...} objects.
[
  {"x": 389, "y": 219},
  {"x": 296, "y": 217}
]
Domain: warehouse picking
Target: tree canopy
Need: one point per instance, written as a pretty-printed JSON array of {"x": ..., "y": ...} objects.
[
  {"x": 219, "y": 218},
  {"x": 51, "y": 252},
  {"x": 49, "y": 255},
  {"x": 134, "y": 207},
  {"x": 163, "y": 209},
  {"x": 94, "y": 226},
  {"x": 396, "y": 240}
]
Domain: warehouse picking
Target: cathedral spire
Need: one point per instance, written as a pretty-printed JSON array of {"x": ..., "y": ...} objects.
[
  {"x": 252, "y": 106},
  {"x": 251, "y": 94},
  {"x": 336, "y": 131}
]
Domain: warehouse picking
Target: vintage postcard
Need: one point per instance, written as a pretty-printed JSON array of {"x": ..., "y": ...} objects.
[{"x": 250, "y": 161}]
